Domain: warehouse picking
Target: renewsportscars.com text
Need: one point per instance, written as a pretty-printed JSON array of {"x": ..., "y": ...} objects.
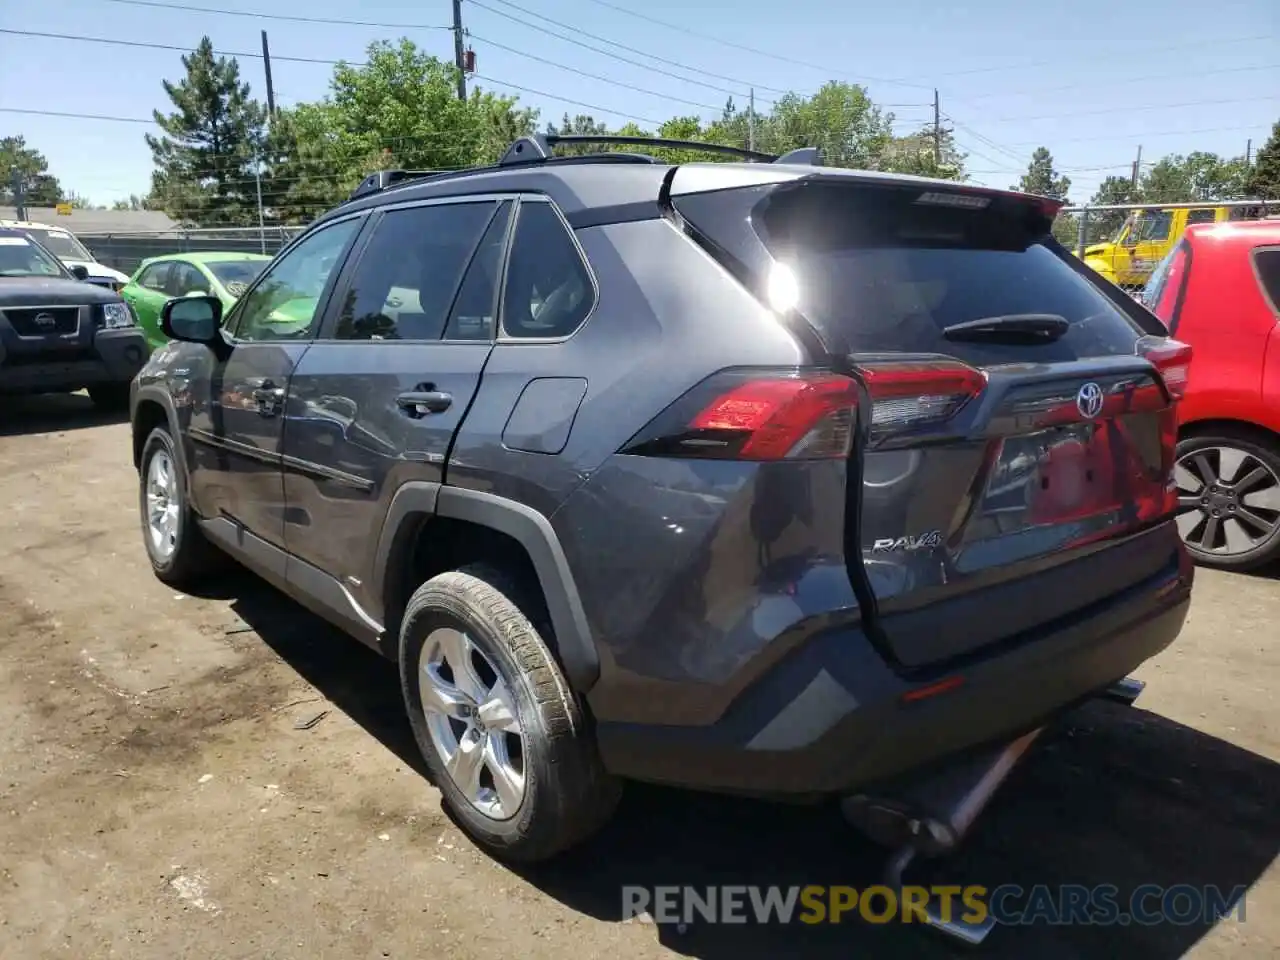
[{"x": 1066, "y": 904}]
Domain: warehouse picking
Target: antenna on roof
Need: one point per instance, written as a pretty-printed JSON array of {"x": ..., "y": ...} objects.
[{"x": 809, "y": 156}]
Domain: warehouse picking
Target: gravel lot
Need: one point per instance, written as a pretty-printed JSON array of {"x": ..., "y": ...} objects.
[{"x": 226, "y": 776}]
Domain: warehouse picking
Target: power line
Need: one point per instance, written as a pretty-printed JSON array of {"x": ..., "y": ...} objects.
[
  {"x": 613, "y": 56},
  {"x": 577, "y": 103},
  {"x": 1135, "y": 135},
  {"x": 615, "y": 43},
  {"x": 187, "y": 8},
  {"x": 1123, "y": 80},
  {"x": 752, "y": 50},
  {"x": 167, "y": 46},
  {"x": 592, "y": 76},
  {"x": 1131, "y": 108},
  {"x": 1109, "y": 55}
]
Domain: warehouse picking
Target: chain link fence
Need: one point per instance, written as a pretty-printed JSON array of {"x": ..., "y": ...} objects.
[{"x": 125, "y": 251}]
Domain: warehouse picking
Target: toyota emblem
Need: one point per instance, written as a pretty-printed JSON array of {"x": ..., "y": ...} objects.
[
  {"x": 1089, "y": 400},
  {"x": 46, "y": 321}
]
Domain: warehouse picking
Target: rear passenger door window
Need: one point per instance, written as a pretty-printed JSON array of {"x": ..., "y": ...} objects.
[
  {"x": 186, "y": 279},
  {"x": 476, "y": 306},
  {"x": 405, "y": 282},
  {"x": 1268, "y": 264},
  {"x": 549, "y": 291},
  {"x": 155, "y": 277}
]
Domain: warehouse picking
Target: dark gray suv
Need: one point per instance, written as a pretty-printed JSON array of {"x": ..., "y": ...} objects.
[{"x": 753, "y": 476}]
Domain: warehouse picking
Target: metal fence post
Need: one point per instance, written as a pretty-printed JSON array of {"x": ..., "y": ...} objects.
[{"x": 1082, "y": 234}]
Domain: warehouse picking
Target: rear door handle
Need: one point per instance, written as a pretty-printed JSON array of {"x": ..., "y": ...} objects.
[{"x": 419, "y": 403}]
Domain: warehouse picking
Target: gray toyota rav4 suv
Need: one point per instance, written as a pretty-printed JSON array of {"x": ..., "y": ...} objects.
[{"x": 758, "y": 476}]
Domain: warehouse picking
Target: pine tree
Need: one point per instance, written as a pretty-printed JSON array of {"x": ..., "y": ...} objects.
[
  {"x": 1042, "y": 179},
  {"x": 206, "y": 159},
  {"x": 1264, "y": 177}
]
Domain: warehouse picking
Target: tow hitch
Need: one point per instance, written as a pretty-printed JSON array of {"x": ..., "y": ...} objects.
[{"x": 929, "y": 814}]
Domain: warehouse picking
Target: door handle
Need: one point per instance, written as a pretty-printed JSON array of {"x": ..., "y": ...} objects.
[
  {"x": 268, "y": 397},
  {"x": 419, "y": 403}
]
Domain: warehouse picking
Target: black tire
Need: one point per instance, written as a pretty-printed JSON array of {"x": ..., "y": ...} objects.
[
  {"x": 193, "y": 557},
  {"x": 567, "y": 795},
  {"x": 1258, "y": 448},
  {"x": 110, "y": 396}
]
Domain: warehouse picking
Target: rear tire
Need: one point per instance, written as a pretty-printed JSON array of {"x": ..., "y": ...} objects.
[
  {"x": 1229, "y": 498},
  {"x": 558, "y": 793},
  {"x": 110, "y": 396},
  {"x": 179, "y": 553}
]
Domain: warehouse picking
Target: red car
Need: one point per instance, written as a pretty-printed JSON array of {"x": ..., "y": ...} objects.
[{"x": 1219, "y": 290}]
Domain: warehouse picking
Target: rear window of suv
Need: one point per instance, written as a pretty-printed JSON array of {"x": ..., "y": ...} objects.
[{"x": 889, "y": 273}]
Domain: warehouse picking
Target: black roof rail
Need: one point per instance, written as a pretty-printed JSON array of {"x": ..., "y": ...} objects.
[
  {"x": 538, "y": 147},
  {"x": 809, "y": 156},
  {"x": 381, "y": 179}
]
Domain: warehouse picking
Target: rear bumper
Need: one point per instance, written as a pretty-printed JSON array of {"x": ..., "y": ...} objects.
[
  {"x": 116, "y": 357},
  {"x": 832, "y": 718}
]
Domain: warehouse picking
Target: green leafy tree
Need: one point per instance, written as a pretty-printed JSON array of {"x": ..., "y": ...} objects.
[
  {"x": 39, "y": 187},
  {"x": 1042, "y": 178},
  {"x": 581, "y": 125},
  {"x": 397, "y": 111},
  {"x": 1113, "y": 190},
  {"x": 1196, "y": 176},
  {"x": 915, "y": 154},
  {"x": 1263, "y": 178},
  {"x": 840, "y": 119},
  {"x": 206, "y": 157},
  {"x": 134, "y": 202}
]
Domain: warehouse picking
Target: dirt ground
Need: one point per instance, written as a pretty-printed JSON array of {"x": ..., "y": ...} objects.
[{"x": 226, "y": 776}]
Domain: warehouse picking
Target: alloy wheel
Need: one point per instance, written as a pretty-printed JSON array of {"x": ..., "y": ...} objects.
[
  {"x": 1228, "y": 501},
  {"x": 471, "y": 719},
  {"x": 162, "y": 505}
]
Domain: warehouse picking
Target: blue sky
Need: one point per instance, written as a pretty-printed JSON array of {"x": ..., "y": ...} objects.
[{"x": 1090, "y": 80}]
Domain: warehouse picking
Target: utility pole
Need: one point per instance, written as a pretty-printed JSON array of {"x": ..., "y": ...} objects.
[
  {"x": 937, "y": 130},
  {"x": 1248, "y": 152},
  {"x": 1137, "y": 168},
  {"x": 19, "y": 201},
  {"x": 271, "y": 90},
  {"x": 458, "y": 57},
  {"x": 751, "y": 120}
]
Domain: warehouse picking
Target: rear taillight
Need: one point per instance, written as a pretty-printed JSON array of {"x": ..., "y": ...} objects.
[
  {"x": 805, "y": 415},
  {"x": 750, "y": 415},
  {"x": 910, "y": 395},
  {"x": 1172, "y": 358}
]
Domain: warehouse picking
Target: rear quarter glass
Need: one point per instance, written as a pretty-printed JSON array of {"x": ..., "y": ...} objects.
[{"x": 888, "y": 273}]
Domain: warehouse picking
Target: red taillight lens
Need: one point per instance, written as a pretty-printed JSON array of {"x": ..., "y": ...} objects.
[
  {"x": 1172, "y": 358},
  {"x": 750, "y": 415},
  {"x": 807, "y": 417},
  {"x": 908, "y": 395}
]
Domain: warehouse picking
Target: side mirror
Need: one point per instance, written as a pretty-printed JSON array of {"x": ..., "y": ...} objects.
[
  {"x": 195, "y": 319},
  {"x": 80, "y": 272}
]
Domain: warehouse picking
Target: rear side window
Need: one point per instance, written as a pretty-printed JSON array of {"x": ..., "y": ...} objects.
[
  {"x": 155, "y": 276},
  {"x": 889, "y": 269},
  {"x": 1164, "y": 287},
  {"x": 1268, "y": 264},
  {"x": 549, "y": 290}
]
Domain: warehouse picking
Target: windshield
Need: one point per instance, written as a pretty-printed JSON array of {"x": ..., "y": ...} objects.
[
  {"x": 236, "y": 275},
  {"x": 19, "y": 257},
  {"x": 61, "y": 244}
]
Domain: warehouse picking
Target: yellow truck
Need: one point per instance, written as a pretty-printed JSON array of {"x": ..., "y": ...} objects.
[{"x": 1148, "y": 234}]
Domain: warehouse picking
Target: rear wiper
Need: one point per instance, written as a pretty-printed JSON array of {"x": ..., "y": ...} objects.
[{"x": 1012, "y": 328}]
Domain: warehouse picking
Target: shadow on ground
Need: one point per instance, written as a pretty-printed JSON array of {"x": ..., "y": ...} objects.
[
  {"x": 50, "y": 413},
  {"x": 1114, "y": 795}
]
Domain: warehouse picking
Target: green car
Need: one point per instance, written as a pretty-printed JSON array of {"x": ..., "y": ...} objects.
[{"x": 160, "y": 279}]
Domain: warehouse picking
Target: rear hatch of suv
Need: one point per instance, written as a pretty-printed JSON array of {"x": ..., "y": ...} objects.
[{"x": 1012, "y": 466}]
